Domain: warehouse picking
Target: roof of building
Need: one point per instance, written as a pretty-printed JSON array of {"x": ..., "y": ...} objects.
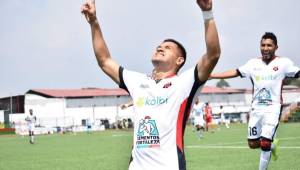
[
  {"x": 210, "y": 89},
  {"x": 94, "y": 92},
  {"x": 74, "y": 93}
]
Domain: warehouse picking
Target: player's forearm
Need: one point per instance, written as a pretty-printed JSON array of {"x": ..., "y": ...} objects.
[
  {"x": 209, "y": 60},
  {"x": 212, "y": 40},
  {"x": 100, "y": 49},
  {"x": 224, "y": 75}
]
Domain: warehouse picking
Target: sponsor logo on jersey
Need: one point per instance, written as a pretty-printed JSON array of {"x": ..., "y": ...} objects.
[
  {"x": 263, "y": 97},
  {"x": 147, "y": 135},
  {"x": 266, "y": 77},
  {"x": 151, "y": 101}
]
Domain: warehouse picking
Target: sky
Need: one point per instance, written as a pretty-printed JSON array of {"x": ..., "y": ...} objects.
[{"x": 47, "y": 44}]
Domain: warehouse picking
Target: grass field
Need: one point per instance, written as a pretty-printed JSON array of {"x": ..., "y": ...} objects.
[{"x": 225, "y": 149}]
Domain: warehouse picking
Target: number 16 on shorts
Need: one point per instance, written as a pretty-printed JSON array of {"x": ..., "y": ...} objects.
[{"x": 252, "y": 131}]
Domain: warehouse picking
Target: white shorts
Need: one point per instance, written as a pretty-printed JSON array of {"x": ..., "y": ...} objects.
[
  {"x": 198, "y": 120},
  {"x": 31, "y": 127},
  {"x": 263, "y": 122},
  {"x": 223, "y": 120}
]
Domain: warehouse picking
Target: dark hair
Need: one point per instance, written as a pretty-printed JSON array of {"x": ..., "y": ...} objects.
[
  {"x": 181, "y": 49},
  {"x": 270, "y": 35}
]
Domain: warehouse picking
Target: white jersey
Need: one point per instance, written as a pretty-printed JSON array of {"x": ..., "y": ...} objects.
[
  {"x": 267, "y": 79},
  {"x": 222, "y": 114},
  {"x": 31, "y": 119},
  {"x": 198, "y": 114},
  {"x": 198, "y": 109},
  {"x": 160, "y": 114}
]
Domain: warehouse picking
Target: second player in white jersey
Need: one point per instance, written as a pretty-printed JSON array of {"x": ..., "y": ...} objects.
[
  {"x": 267, "y": 74},
  {"x": 267, "y": 79}
]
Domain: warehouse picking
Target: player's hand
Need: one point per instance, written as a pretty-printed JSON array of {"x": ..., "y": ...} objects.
[
  {"x": 88, "y": 9},
  {"x": 205, "y": 5}
]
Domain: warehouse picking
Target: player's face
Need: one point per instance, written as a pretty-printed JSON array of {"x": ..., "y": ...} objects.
[
  {"x": 167, "y": 55},
  {"x": 267, "y": 48}
]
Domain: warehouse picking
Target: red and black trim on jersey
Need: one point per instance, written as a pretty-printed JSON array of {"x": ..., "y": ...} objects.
[
  {"x": 184, "y": 112},
  {"x": 183, "y": 115},
  {"x": 122, "y": 84}
]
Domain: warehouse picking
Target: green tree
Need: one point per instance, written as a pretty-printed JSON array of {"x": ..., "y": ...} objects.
[
  {"x": 222, "y": 83},
  {"x": 292, "y": 81}
]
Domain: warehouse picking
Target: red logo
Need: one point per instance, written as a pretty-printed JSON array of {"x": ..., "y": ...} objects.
[
  {"x": 275, "y": 68},
  {"x": 167, "y": 85}
]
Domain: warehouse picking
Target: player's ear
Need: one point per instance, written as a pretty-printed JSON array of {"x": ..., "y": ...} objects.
[{"x": 179, "y": 61}]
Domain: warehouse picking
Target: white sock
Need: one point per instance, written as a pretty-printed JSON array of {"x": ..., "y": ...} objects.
[{"x": 264, "y": 160}]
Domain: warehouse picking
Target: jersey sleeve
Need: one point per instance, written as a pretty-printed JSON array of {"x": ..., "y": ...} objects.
[
  {"x": 291, "y": 70},
  {"x": 129, "y": 79},
  {"x": 189, "y": 82},
  {"x": 245, "y": 70}
]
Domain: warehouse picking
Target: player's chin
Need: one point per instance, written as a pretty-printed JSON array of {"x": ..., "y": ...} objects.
[
  {"x": 266, "y": 56},
  {"x": 155, "y": 61}
]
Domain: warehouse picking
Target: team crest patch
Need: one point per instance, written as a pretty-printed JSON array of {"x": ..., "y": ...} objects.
[
  {"x": 275, "y": 68},
  {"x": 147, "y": 135},
  {"x": 167, "y": 85}
]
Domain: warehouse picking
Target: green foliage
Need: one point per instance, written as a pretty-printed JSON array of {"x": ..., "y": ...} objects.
[
  {"x": 222, "y": 83},
  {"x": 226, "y": 149},
  {"x": 292, "y": 81}
]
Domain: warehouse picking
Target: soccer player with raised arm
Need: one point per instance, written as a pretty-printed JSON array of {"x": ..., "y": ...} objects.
[
  {"x": 266, "y": 74},
  {"x": 161, "y": 103}
]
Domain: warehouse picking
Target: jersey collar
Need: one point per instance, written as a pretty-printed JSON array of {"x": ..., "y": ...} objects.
[{"x": 168, "y": 76}]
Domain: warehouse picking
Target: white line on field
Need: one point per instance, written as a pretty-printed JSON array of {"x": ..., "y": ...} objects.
[
  {"x": 221, "y": 145},
  {"x": 231, "y": 143},
  {"x": 289, "y": 138},
  {"x": 120, "y": 135},
  {"x": 234, "y": 147}
]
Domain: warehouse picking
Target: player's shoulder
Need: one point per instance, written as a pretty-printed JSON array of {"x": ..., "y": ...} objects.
[
  {"x": 283, "y": 59},
  {"x": 134, "y": 75}
]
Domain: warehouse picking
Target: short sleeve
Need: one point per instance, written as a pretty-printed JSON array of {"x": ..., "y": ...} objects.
[
  {"x": 189, "y": 83},
  {"x": 291, "y": 69},
  {"x": 129, "y": 80},
  {"x": 245, "y": 70}
]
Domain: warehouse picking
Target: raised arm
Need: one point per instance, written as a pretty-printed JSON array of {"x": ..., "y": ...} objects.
[
  {"x": 106, "y": 63},
  {"x": 224, "y": 75},
  {"x": 208, "y": 61}
]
